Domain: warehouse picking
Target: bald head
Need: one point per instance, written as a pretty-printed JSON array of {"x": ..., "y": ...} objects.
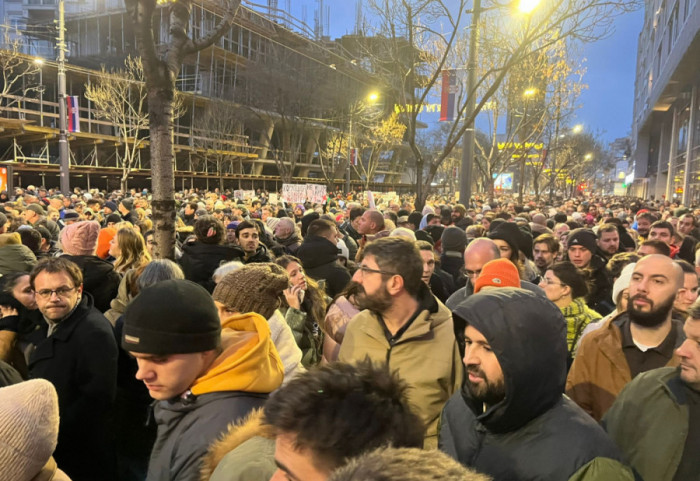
[
  {"x": 479, "y": 252},
  {"x": 663, "y": 265},
  {"x": 371, "y": 222}
]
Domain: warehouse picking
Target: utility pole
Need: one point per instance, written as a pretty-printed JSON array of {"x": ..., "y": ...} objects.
[
  {"x": 350, "y": 158},
  {"x": 63, "y": 151},
  {"x": 465, "y": 182}
]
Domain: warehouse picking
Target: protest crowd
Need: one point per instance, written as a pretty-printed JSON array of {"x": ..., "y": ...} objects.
[{"x": 348, "y": 337}]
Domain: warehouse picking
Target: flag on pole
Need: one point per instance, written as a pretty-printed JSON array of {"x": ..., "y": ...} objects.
[
  {"x": 73, "y": 112},
  {"x": 449, "y": 92},
  {"x": 353, "y": 156}
]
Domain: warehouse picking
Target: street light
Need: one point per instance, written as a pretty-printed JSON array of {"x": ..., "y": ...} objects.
[
  {"x": 577, "y": 129},
  {"x": 588, "y": 156},
  {"x": 469, "y": 138},
  {"x": 528, "y": 6}
]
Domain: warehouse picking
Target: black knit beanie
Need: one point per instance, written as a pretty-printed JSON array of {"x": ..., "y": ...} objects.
[{"x": 171, "y": 317}]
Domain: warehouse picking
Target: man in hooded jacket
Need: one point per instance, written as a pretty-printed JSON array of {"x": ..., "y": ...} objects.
[
  {"x": 511, "y": 420},
  {"x": 204, "y": 373}
]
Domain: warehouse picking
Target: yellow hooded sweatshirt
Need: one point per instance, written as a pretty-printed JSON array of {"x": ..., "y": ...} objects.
[{"x": 249, "y": 361}]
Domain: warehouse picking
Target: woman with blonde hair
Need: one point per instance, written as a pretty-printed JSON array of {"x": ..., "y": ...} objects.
[{"x": 129, "y": 250}]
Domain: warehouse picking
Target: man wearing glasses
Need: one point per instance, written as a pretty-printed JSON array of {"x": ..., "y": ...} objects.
[
  {"x": 76, "y": 351},
  {"x": 405, "y": 326}
]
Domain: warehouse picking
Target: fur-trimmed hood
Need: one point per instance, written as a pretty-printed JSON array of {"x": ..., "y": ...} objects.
[{"x": 236, "y": 434}]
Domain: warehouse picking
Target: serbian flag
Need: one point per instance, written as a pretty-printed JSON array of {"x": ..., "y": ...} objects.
[
  {"x": 449, "y": 92},
  {"x": 73, "y": 112},
  {"x": 353, "y": 156}
]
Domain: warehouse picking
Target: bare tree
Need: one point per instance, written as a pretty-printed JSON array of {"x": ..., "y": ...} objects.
[
  {"x": 120, "y": 97},
  {"x": 374, "y": 142},
  {"x": 19, "y": 72},
  {"x": 333, "y": 148},
  {"x": 162, "y": 59},
  {"x": 217, "y": 135},
  {"x": 423, "y": 37}
]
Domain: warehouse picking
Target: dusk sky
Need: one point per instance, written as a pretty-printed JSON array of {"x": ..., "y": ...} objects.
[{"x": 611, "y": 62}]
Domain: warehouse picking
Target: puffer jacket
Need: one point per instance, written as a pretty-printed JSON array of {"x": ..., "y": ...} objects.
[
  {"x": 534, "y": 433},
  {"x": 237, "y": 382},
  {"x": 319, "y": 256}
]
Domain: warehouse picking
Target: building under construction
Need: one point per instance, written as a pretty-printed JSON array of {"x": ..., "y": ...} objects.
[{"x": 256, "y": 109}]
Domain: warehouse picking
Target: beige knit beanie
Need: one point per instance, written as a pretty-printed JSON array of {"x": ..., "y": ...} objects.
[
  {"x": 253, "y": 288},
  {"x": 28, "y": 428}
]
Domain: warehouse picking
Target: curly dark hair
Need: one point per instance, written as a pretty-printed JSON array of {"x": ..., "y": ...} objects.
[{"x": 339, "y": 411}]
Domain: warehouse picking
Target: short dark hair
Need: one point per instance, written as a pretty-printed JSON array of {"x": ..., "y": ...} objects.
[
  {"x": 687, "y": 267},
  {"x": 209, "y": 230},
  {"x": 548, "y": 239},
  {"x": 648, "y": 216},
  {"x": 246, "y": 224},
  {"x": 424, "y": 245},
  {"x": 571, "y": 276},
  {"x": 400, "y": 256},
  {"x": 56, "y": 265},
  {"x": 662, "y": 224},
  {"x": 620, "y": 260},
  {"x": 31, "y": 238},
  {"x": 356, "y": 212},
  {"x": 339, "y": 411},
  {"x": 320, "y": 227},
  {"x": 659, "y": 246}
]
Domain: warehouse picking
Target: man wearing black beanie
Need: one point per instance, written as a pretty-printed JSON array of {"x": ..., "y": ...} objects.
[
  {"x": 203, "y": 373},
  {"x": 582, "y": 245}
]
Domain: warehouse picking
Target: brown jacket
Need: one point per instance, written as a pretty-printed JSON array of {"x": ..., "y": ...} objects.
[{"x": 600, "y": 369}]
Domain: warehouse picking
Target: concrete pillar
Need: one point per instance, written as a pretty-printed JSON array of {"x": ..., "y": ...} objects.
[
  {"x": 689, "y": 145},
  {"x": 265, "y": 138},
  {"x": 672, "y": 154}
]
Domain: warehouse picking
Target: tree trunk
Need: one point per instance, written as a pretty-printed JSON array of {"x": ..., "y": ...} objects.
[
  {"x": 160, "y": 108},
  {"x": 421, "y": 195}
]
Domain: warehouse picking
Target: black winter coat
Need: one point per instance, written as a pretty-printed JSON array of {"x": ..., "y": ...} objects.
[
  {"x": 199, "y": 261},
  {"x": 319, "y": 257},
  {"x": 534, "y": 432},
  {"x": 80, "y": 360},
  {"x": 99, "y": 279}
]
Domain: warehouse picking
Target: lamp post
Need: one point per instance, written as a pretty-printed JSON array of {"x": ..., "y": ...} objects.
[
  {"x": 63, "y": 151},
  {"x": 469, "y": 138},
  {"x": 359, "y": 107}
]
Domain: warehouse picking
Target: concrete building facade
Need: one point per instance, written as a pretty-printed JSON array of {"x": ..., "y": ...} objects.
[{"x": 666, "y": 123}]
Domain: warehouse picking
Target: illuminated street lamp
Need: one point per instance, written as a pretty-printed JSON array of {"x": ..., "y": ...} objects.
[
  {"x": 588, "y": 156},
  {"x": 528, "y": 6},
  {"x": 469, "y": 138},
  {"x": 577, "y": 129}
]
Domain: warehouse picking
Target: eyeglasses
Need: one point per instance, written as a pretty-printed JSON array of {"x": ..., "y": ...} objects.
[
  {"x": 469, "y": 273},
  {"x": 60, "y": 292},
  {"x": 368, "y": 270},
  {"x": 551, "y": 282}
]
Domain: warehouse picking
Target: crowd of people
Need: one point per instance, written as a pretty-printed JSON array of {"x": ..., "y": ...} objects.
[{"x": 348, "y": 339}]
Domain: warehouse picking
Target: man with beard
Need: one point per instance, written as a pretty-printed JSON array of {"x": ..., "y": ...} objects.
[
  {"x": 545, "y": 249},
  {"x": 511, "y": 420},
  {"x": 644, "y": 221},
  {"x": 608, "y": 240},
  {"x": 249, "y": 247},
  {"x": 636, "y": 341},
  {"x": 405, "y": 326},
  {"x": 662, "y": 446}
]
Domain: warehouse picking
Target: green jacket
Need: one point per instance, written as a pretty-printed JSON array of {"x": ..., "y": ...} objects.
[
  {"x": 649, "y": 421},
  {"x": 308, "y": 338}
]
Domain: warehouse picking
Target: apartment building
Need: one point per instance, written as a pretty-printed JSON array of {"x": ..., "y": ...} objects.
[{"x": 666, "y": 123}]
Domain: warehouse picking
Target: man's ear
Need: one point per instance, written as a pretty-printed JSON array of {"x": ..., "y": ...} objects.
[{"x": 395, "y": 285}]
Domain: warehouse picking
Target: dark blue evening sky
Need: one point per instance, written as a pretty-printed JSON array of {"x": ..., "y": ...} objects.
[{"x": 606, "y": 106}]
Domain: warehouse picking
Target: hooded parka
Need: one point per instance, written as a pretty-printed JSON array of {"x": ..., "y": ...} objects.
[{"x": 535, "y": 432}]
